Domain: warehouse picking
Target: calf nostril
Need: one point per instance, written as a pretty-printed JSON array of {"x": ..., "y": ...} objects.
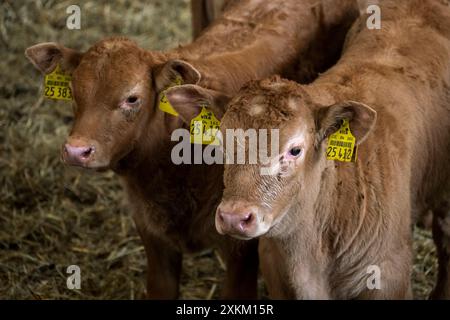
[
  {"x": 248, "y": 219},
  {"x": 76, "y": 153},
  {"x": 87, "y": 152}
]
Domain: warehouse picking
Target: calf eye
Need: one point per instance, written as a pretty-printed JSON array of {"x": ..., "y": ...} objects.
[
  {"x": 295, "y": 152},
  {"x": 132, "y": 100}
]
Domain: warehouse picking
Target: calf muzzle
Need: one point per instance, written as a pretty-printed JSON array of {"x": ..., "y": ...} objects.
[
  {"x": 77, "y": 153},
  {"x": 239, "y": 222}
]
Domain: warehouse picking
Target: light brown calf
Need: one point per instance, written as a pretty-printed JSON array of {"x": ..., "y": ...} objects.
[
  {"x": 119, "y": 126},
  {"x": 326, "y": 226}
]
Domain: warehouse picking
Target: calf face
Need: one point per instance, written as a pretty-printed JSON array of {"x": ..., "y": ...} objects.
[
  {"x": 115, "y": 86},
  {"x": 254, "y": 203}
]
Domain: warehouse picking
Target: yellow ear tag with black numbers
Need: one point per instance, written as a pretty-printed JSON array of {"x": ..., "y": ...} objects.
[
  {"x": 164, "y": 104},
  {"x": 204, "y": 128},
  {"x": 57, "y": 85},
  {"x": 342, "y": 144}
]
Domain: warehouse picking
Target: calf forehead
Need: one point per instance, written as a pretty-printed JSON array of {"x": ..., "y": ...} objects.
[
  {"x": 286, "y": 122},
  {"x": 267, "y": 104},
  {"x": 111, "y": 67},
  {"x": 109, "y": 62}
]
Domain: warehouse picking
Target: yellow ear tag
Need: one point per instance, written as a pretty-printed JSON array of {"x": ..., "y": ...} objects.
[
  {"x": 56, "y": 85},
  {"x": 164, "y": 104},
  {"x": 342, "y": 144},
  {"x": 204, "y": 128}
]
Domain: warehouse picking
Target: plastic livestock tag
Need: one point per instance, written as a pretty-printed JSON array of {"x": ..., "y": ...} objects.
[
  {"x": 342, "y": 144},
  {"x": 57, "y": 85},
  {"x": 164, "y": 104},
  {"x": 204, "y": 128}
]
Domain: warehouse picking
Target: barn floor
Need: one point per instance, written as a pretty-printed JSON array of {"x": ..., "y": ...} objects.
[{"x": 53, "y": 216}]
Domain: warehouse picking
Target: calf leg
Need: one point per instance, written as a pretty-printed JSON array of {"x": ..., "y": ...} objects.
[
  {"x": 163, "y": 268},
  {"x": 242, "y": 269},
  {"x": 441, "y": 236}
]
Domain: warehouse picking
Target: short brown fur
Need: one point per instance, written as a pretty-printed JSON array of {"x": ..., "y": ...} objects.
[
  {"x": 332, "y": 220},
  {"x": 173, "y": 205}
]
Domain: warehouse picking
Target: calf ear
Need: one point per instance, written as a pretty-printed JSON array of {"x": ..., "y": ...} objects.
[
  {"x": 45, "y": 56},
  {"x": 166, "y": 74},
  {"x": 362, "y": 119},
  {"x": 188, "y": 99}
]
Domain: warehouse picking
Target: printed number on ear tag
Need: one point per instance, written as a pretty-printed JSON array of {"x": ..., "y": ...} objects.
[
  {"x": 164, "y": 104},
  {"x": 204, "y": 128},
  {"x": 342, "y": 144},
  {"x": 57, "y": 85}
]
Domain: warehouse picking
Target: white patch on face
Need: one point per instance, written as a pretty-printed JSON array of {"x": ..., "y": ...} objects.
[
  {"x": 264, "y": 223},
  {"x": 293, "y": 104},
  {"x": 276, "y": 85},
  {"x": 256, "y": 109},
  {"x": 136, "y": 90},
  {"x": 272, "y": 168},
  {"x": 262, "y": 226}
]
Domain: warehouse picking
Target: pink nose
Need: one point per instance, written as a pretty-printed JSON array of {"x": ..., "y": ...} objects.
[
  {"x": 236, "y": 222},
  {"x": 77, "y": 155}
]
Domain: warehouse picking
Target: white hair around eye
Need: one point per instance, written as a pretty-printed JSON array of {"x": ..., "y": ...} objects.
[
  {"x": 296, "y": 141},
  {"x": 288, "y": 158},
  {"x": 137, "y": 89}
]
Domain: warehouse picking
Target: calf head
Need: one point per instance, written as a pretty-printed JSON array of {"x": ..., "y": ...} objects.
[
  {"x": 115, "y": 85},
  {"x": 253, "y": 203}
]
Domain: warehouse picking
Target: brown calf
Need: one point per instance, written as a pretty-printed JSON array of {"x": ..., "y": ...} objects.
[
  {"x": 119, "y": 126},
  {"x": 326, "y": 226}
]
